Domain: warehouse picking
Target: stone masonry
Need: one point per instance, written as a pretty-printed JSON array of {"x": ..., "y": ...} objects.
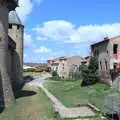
[{"x": 6, "y": 93}]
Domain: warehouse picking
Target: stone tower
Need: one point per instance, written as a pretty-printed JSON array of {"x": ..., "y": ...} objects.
[
  {"x": 6, "y": 93},
  {"x": 16, "y": 30}
]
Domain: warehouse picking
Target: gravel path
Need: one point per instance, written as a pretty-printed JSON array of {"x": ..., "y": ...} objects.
[
  {"x": 36, "y": 82},
  {"x": 58, "y": 106}
]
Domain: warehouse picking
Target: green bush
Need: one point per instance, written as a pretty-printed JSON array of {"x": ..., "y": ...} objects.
[
  {"x": 33, "y": 70},
  {"x": 38, "y": 70},
  {"x": 90, "y": 74},
  {"x": 29, "y": 70},
  {"x": 54, "y": 74}
]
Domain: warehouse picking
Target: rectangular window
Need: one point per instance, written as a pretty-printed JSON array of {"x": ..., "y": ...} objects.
[
  {"x": 96, "y": 53},
  {"x": 106, "y": 65},
  {"x": 115, "y": 65},
  {"x": 10, "y": 26},
  {"x": 115, "y": 48},
  {"x": 18, "y": 27},
  {"x": 101, "y": 65}
]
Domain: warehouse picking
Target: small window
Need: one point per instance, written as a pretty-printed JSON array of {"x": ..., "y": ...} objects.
[
  {"x": 96, "y": 53},
  {"x": 106, "y": 65},
  {"x": 18, "y": 27},
  {"x": 115, "y": 48},
  {"x": 10, "y": 26},
  {"x": 107, "y": 52},
  {"x": 101, "y": 65},
  {"x": 115, "y": 66}
]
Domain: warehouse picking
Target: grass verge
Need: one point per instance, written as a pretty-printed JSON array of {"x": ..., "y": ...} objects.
[
  {"x": 30, "y": 107},
  {"x": 71, "y": 94}
]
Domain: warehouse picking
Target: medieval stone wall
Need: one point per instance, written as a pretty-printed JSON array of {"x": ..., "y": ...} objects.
[
  {"x": 6, "y": 92},
  {"x": 16, "y": 33}
]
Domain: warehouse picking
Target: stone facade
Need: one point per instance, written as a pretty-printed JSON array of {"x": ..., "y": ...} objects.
[
  {"x": 16, "y": 30},
  {"x": 6, "y": 93},
  {"x": 64, "y": 65},
  {"x": 108, "y": 52}
]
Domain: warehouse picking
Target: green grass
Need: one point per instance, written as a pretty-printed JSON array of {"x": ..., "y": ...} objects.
[
  {"x": 39, "y": 107},
  {"x": 35, "y": 107},
  {"x": 71, "y": 94}
]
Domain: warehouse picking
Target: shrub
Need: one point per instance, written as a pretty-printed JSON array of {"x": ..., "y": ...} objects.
[
  {"x": 54, "y": 73},
  {"x": 38, "y": 70},
  {"x": 33, "y": 70},
  {"x": 90, "y": 74},
  {"x": 29, "y": 70}
]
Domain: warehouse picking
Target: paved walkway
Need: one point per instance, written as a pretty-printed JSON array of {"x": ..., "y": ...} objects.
[{"x": 59, "y": 107}]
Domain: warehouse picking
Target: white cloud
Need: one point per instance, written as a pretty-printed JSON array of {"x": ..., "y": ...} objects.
[
  {"x": 28, "y": 43},
  {"x": 24, "y": 9},
  {"x": 66, "y": 32},
  {"x": 42, "y": 49},
  {"x": 25, "y": 55},
  {"x": 55, "y": 30},
  {"x": 41, "y": 38}
]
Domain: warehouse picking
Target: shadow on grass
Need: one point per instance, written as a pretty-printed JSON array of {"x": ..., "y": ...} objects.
[
  {"x": 112, "y": 116},
  {"x": 24, "y": 93},
  {"x": 1, "y": 109},
  {"x": 19, "y": 92}
]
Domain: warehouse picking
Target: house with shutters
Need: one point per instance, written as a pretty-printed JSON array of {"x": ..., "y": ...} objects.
[{"x": 108, "y": 53}]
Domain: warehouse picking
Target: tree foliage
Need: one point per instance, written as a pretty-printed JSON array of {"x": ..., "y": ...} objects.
[
  {"x": 33, "y": 70},
  {"x": 90, "y": 74},
  {"x": 54, "y": 74}
]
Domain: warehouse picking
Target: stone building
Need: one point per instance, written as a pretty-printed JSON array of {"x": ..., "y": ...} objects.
[
  {"x": 6, "y": 93},
  {"x": 108, "y": 53},
  {"x": 53, "y": 64},
  {"x": 15, "y": 31},
  {"x": 86, "y": 60},
  {"x": 65, "y": 65}
]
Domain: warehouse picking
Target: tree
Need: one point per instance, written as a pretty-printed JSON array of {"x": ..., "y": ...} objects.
[
  {"x": 90, "y": 74},
  {"x": 54, "y": 74}
]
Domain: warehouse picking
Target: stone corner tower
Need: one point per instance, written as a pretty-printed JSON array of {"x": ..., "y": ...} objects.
[
  {"x": 6, "y": 93},
  {"x": 16, "y": 31}
]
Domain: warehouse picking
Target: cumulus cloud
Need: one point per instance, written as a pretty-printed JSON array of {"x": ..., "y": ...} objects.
[
  {"x": 66, "y": 32},
  {"x": 25, "y": 55},
  {"x": 24, "y": 9},
  {"x": 55, "y": 30},
  {"x": 41, "y": 38},
  {"x": 42, "y": 49},
  {"x": 28, "y": 43}
]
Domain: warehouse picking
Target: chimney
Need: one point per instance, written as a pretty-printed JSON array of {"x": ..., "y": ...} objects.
[{"x": 106, "y": 38}]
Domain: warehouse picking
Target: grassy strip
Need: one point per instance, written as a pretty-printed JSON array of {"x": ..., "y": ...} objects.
[
  {"x": 71, "y": 94},
  {"x": 30, "y": 107}
]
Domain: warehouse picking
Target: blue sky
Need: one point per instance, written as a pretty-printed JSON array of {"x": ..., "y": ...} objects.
[{"x": 56, "y": 28}]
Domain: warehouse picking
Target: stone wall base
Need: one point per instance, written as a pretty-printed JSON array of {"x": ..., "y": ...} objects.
[{"x": 6, "y": 88}]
